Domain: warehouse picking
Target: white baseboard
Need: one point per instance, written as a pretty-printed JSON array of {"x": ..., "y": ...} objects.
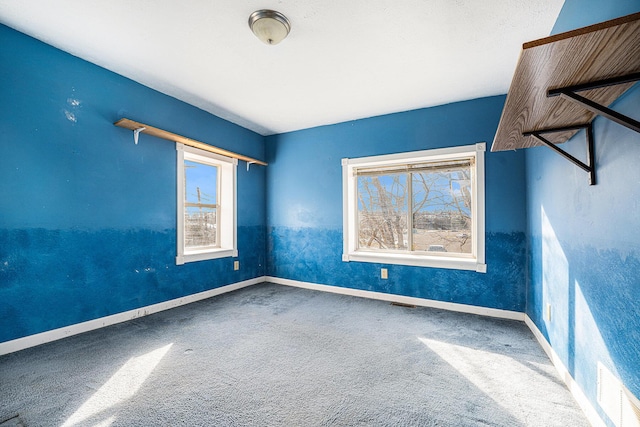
[
  {"x": 422, "y": 302},
  {"x": 574, "y": 388},
  {"x": 78, "y": 328},
  {"x": 56, "y": 334}
]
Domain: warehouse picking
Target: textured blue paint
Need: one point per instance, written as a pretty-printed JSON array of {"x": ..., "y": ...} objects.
[
  {"x": 83, "y": 171},
  {"x": 584, "y": 241},
  {"x": 314, "y": 255},
  {"x": 69, "y": 276},
  {"x": 304, "y": 206},
  {"x": 595, "y": 314},
  {"x": 88, "y": 219}
]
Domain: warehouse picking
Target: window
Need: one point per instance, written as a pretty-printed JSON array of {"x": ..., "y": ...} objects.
[
  {"x": 424, "y": 208},
  {"x": 206, "y": 205}
]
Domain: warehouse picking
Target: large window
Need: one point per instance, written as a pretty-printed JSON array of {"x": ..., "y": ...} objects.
[
  {"x": 206, "y": 205},
  {"x": 423, "y": 208}
]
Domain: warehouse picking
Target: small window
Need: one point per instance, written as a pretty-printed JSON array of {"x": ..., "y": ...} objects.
[
  {"x": 206, "y": 205},
  {"x": 422, "y": 208}
]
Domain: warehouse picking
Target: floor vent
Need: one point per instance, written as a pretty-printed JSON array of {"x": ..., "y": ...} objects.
[
  {"x": 622, "y": 407},
  {"x": 401, "y": 304}
]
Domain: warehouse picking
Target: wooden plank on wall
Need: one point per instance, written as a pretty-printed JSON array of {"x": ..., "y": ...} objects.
[
  {"x": 606, "y": 50},
  {"x": 170, "y": 136}
]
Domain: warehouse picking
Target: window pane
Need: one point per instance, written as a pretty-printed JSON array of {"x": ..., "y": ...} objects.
[
  {"x": 200, "y": 212},
  {"x": 442, "y": 210},
  {"x": 382, "y": 211}
]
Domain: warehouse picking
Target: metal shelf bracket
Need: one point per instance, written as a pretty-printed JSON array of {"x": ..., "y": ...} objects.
[
  {"x": 569, "y": 93},
  {"x": 136, "y": 134},
  {"x": 590, "y": 166}
]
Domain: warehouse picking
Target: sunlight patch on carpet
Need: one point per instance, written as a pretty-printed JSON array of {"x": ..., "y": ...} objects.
[
  {"x": 490, "y": 372},
  {"x": 120, "y": 387}
]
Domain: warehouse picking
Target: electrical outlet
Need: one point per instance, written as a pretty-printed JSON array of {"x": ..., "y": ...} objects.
[
  {"x": 236, "y": 265},
  {"x": 547, "y": 313},
  {"x": 383, "y": 273}
]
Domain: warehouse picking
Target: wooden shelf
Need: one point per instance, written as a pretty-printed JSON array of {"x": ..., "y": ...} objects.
[
  {"x": 598, "y": 52},
  {"x": 153, "y": 131}
]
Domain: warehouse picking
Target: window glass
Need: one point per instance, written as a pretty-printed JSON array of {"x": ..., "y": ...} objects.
[
  {"x": 383, "y": 206},
  {"x": 200, "y": 207},
  {"x": 442, "y": 206}
]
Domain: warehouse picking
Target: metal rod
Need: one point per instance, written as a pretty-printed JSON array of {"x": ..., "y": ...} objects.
[
  {"x": 601, "y": 110},
  {"x": 558, "y": 129},
  {"x": 591, "y": 155},
  {"x": 633, "y": 77},
  {"x": 563, "y": 153}
]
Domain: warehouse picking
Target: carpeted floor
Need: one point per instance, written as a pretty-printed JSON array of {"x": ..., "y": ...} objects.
[{"x": 271, "y": 355}]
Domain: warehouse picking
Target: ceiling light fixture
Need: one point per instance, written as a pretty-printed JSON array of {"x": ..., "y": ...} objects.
[{"x": 269, "y": 26}]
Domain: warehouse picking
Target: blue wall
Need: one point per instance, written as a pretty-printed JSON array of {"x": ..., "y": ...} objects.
[
  {"x": 584, "y": 241},
  {"x": 88, "y": 219},
  {"x": 304, "y": 205}
]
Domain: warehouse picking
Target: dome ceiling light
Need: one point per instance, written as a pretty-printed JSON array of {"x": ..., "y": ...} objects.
[{"x": 269, "y": 26}]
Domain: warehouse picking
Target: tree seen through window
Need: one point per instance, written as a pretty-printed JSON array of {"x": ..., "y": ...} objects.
[{"x": 439, "y": 197}]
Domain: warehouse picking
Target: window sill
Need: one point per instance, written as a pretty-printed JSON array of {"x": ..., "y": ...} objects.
[
  {"x": 205, "y": 255},
  {"x": 418, "y": 260}
]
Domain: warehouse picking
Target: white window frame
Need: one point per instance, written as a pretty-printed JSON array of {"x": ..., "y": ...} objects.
[
  {"x": 350, "y": 210},
  {"x": 226, "y": 210}
]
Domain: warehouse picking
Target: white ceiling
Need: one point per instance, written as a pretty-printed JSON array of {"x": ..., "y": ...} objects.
[{"x": 343, "y": 60}]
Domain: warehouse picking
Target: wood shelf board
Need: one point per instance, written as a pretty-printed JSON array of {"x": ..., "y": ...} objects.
[
  {"x": 170, "y": 136},
  {"x": 606, "y": 50}
]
